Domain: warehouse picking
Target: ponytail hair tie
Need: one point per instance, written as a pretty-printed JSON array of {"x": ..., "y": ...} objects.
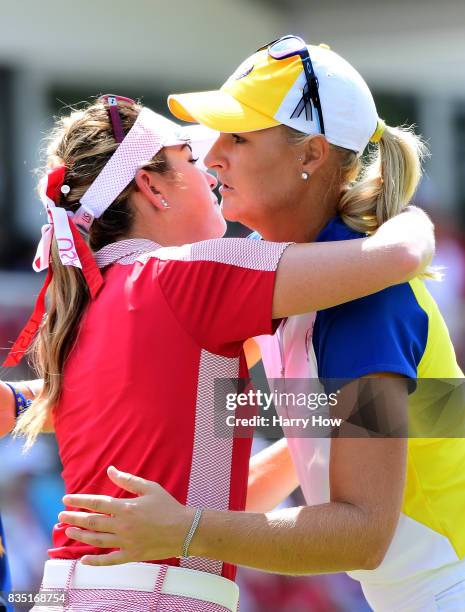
[{"x": 380, "y": 129}]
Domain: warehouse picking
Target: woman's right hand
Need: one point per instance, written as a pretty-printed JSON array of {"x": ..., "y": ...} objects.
[{"x": 7, "y": 409}]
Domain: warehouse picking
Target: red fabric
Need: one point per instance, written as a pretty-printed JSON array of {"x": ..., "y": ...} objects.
[
  {"x": 94, "y": 280},
  {"x": 131, "y": 382},
  {"x": 55, "y": 178},
  {"x": 235, "y": 306},
  {"x": 90, "y": 269},
  {"x": 28, "y": 332}
]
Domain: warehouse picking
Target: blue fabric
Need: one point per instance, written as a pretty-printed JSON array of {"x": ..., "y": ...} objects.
[
  {"x": 5, "y": 579},
  {"x": 384, "y": 332}
]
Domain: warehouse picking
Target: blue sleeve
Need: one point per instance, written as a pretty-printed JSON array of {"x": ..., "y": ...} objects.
[{"x": 384, "y": 332}]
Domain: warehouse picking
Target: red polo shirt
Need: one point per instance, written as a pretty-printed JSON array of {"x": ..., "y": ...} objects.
[{"x": 138, "y": 386}]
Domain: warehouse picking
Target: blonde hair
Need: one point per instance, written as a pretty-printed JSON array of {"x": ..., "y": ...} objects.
[
  {"x": 381, "y": 185},
  {"x": 83, "y": 142}
]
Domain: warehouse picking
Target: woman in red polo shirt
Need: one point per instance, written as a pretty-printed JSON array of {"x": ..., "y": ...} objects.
[{"x": 138, "y": 328}]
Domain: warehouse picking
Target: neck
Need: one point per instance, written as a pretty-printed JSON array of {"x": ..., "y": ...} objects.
[
  {"x": 301, "y": 224},
  {"x": 145, "y": 228}
]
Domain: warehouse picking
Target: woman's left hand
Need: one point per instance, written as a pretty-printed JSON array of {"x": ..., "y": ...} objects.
[{"x": 145, "y": 528}]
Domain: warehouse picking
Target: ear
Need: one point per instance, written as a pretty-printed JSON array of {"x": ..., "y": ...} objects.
[
  {"x": 149, "y": 184},
  {"x": 315, "y": 153}
]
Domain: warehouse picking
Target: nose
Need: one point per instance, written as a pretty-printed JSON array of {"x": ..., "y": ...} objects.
[
  {"x": 212, "y": 180},
  {"x": 214, "y": 159}
]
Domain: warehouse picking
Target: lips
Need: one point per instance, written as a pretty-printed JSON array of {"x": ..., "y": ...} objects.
[{"x": 225, "y": 186}]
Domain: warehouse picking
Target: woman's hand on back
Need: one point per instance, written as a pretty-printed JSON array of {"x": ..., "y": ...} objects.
[
  {"x": 151, "y": 526},
  {"x": 413, "y": 231}
]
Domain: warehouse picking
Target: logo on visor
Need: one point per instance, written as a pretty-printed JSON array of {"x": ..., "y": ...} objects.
[{"x": 241, "y": 72}]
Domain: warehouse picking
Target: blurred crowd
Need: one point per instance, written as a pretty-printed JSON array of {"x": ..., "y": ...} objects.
[{"x": 450, "y": 292}]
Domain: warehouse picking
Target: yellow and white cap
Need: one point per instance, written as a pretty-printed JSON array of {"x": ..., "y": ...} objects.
[{"x": 263, "y": 92}]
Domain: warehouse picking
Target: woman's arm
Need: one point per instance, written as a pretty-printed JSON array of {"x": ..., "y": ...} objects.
[
  {"x": 7, "y": 410},
  {"x": 316, "y": 276},
  {"x": 272, "y": 477},
  {"x": 30, "y": 389}
]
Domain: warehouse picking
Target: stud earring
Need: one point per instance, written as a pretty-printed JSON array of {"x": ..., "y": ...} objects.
[
  {"x": 165, "y": 203},
  {"x": 305, "y": 176}
]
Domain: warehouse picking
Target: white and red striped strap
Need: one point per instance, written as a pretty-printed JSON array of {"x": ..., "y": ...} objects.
[{"x": 58, "y": 227}]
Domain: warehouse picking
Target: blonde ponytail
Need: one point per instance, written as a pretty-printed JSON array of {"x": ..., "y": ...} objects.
[
  {"x": 68, "y": 297},
  {"x": 386, "y": 182},
  {"x": 380, "y": 186}
]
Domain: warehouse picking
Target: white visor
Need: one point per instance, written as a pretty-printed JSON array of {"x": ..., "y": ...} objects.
[{"x": 149, "y": 134}]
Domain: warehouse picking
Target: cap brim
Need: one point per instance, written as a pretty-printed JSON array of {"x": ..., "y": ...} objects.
[{"x": 219, "y": 111}]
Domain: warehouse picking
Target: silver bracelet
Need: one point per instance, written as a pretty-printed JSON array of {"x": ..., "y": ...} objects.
[{"x": 191, "y": 532}]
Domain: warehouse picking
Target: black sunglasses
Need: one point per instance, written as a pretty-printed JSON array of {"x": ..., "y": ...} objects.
[{"x": 290, "y": 45}]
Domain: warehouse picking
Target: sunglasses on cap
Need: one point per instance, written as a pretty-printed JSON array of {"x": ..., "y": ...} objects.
[
  {"x": 115, "y": 117},
  {"x": 291, "y": 45}
]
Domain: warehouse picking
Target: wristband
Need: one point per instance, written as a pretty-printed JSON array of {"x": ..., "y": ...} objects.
[
  {"x": 191, "y": 532},
  {"x": 21, "y": 403}
]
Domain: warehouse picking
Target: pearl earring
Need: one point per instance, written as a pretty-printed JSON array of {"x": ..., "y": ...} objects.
[{"x": 305, "y": 176}]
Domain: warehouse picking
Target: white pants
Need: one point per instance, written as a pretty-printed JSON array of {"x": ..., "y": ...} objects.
[
  {"x": 441, "y": 590},
  {"x": 134, "y": 587}
]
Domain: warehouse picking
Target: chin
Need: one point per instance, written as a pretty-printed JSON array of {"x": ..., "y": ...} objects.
[
  {"x": 237, "y": 212},
  {"x": 224, "y": 226},
  {"x": 221, "y": 229},
  {"x": 220, "y": 226},
  {"x": 229, "y": 212},
  {"x": 216, "y": 229}
]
